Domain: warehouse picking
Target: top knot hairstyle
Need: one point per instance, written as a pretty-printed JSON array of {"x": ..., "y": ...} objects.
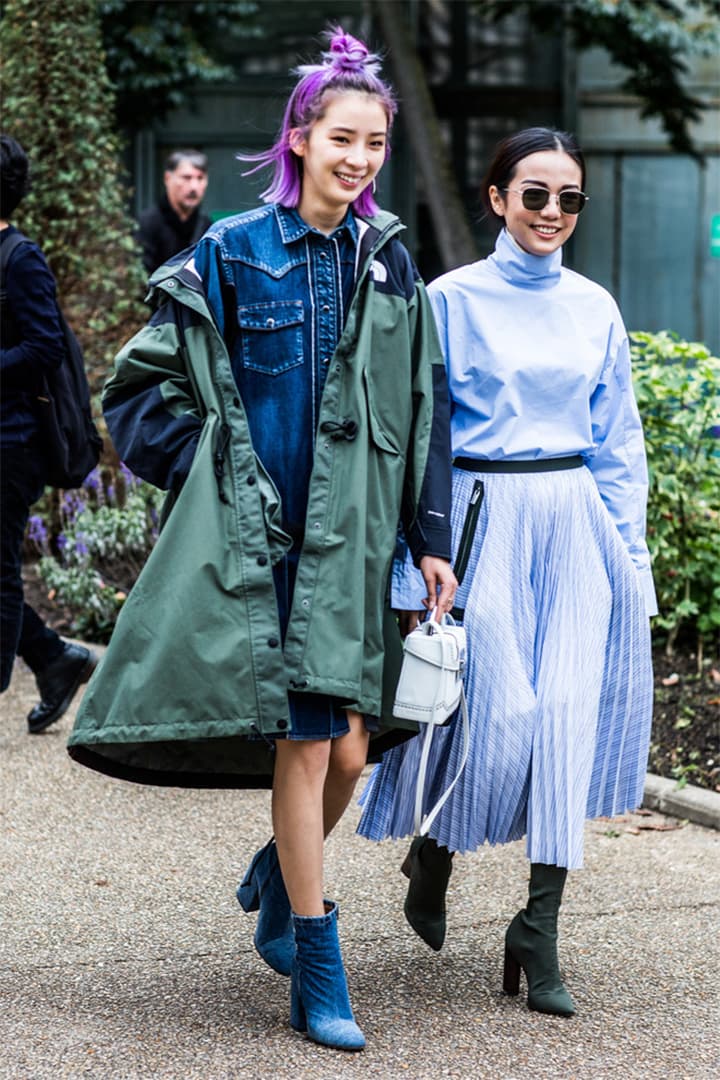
[
  {"x": 346, "y": 66},
  {"x": 347, "y": 52}
]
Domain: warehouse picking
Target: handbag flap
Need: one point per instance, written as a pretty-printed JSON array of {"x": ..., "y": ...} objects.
[{"x": 442, "y": 648}]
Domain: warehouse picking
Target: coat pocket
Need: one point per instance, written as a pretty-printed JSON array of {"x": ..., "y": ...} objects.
[
  {"x": 379, "y": 433},
  {"x": 271, "y": 335}
]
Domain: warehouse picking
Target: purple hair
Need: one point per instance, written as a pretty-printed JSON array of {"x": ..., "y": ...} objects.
[{"x": 346, "y": 66}]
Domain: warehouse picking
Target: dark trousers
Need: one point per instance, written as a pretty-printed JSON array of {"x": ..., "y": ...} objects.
[{"x": 22, "y": 631}]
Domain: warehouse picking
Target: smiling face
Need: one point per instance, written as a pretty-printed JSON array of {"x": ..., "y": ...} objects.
[
  {"x": 341, "y": 156},
  {"x": 540, "y": 232}
]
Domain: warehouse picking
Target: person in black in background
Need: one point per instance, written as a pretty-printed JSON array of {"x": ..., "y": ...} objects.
[
  {"x": 177, "y": 220},
  {"x": 31, "y": 339}
]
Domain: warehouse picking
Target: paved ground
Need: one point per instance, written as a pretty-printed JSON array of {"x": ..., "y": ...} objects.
[{"x": 123, "y": 953}]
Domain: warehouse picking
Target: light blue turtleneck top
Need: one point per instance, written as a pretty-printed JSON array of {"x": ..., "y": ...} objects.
[{"x": 538, "y": 366}]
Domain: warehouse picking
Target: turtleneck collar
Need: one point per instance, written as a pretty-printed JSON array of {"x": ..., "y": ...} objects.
[{"x": 522, "y": 268}]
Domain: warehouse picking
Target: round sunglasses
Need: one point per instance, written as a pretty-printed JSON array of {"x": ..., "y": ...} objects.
[{"x": 535, "y": 198}]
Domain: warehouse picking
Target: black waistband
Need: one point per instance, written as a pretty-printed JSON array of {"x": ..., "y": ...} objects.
[{"x": 509, "y": 465}]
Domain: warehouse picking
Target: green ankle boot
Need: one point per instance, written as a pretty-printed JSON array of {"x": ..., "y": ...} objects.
[
  {"x": 428, "y": 867},
  {"x": 531, "y": 944}
]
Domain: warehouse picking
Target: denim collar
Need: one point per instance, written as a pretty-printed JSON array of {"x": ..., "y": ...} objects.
[{"x": 293, "y": 228}]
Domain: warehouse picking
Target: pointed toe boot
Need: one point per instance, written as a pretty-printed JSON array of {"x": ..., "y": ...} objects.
[
  {"x": 531, "y": 944},
  {"x": 429, "y": 867}
]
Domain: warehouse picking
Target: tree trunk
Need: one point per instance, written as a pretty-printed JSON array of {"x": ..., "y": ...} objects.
[{"x": 454, "y": 238}]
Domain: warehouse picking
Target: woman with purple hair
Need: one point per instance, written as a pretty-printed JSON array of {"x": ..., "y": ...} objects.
[{"x": 290, "y": 392}]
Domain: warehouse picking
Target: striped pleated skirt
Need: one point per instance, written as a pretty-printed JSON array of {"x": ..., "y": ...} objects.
[{"x": 559, "y": 677}]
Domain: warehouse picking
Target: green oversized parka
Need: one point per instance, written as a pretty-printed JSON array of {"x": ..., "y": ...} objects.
[{"x": 193, "y": 687}]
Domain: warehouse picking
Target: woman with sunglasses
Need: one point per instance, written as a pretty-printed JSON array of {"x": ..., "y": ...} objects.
[{"x": 555, "y": 589}]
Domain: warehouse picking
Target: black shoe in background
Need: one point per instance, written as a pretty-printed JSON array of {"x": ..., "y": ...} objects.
[{"x": 58, "y": 683}]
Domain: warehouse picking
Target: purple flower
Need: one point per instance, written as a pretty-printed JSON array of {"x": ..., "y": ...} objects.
[
  {"x": 61, "y": 541},
  {"x": 72, "y": 505},
  {"x": 37, "y": 531},
  {"x": 92, "y": 480},
  {"x": 80, "y": 545},
  {"x": 110, "y": 492}
]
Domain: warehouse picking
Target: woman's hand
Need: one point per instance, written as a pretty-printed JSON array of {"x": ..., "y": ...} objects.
[{"x": 438, "y": 574}]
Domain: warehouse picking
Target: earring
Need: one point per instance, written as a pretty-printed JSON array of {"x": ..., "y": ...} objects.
[{"x": 374, "y": 186}]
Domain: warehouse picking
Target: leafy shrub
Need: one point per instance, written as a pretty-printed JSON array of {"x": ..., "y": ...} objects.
[
  {"x": 677, "y": 385},
  {"x": 93, "y": 542},
  {"x": 59, "y": 104},
  {"x": 157, "y": 59}
]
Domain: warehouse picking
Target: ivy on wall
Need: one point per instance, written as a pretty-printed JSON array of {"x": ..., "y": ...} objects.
[{"x": 58, "y": 103}]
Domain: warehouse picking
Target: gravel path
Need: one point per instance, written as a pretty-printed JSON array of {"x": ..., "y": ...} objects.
[{"x": 123, "y": 953}]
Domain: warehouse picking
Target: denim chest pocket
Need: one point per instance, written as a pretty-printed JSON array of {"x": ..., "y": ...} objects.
[{"x": 271, "y": 335}]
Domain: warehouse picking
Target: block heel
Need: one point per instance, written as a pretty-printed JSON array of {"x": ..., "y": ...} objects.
[
  {"x": 319, "y": 1000},
  {"x": 511, "y": 974}
]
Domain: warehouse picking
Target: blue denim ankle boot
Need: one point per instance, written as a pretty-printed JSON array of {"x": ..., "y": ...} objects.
[
  {"x": 320, "y": 1005},
  {"x": 263, "y": 889}
]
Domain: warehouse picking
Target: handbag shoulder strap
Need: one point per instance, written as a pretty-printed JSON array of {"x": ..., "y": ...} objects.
[{"x": 422, "y": 825}]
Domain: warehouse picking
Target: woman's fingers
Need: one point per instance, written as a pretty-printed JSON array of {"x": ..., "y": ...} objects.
[{"x": 438, "y": 575}]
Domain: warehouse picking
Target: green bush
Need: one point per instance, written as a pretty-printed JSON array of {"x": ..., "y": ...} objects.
[
  {"x": 157, "y": 59},
  {"x": 58, "y": 102},
  {"x": 677, "y": 385},
  {"x": 93, "y": 543}
]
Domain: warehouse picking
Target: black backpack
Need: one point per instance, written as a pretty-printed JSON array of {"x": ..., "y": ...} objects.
[{"x": 72, "y": 442}]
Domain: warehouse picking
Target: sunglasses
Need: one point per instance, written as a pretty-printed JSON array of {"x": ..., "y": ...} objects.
[{"x": 536, "y": 198}]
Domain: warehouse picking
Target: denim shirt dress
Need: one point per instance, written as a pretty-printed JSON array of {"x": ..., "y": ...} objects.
[{"x": 281, "y": 314}]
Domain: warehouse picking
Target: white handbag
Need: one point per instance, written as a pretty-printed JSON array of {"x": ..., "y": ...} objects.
[{"x": 429, "y": 691}]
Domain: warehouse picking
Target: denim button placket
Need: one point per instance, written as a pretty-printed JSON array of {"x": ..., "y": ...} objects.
[
  {"x": 283, "y": 409},
  {"x": 327, "y": 273}
]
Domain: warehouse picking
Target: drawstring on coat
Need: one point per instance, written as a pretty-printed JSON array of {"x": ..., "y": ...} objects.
[{"x": 345, "y": 429}]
